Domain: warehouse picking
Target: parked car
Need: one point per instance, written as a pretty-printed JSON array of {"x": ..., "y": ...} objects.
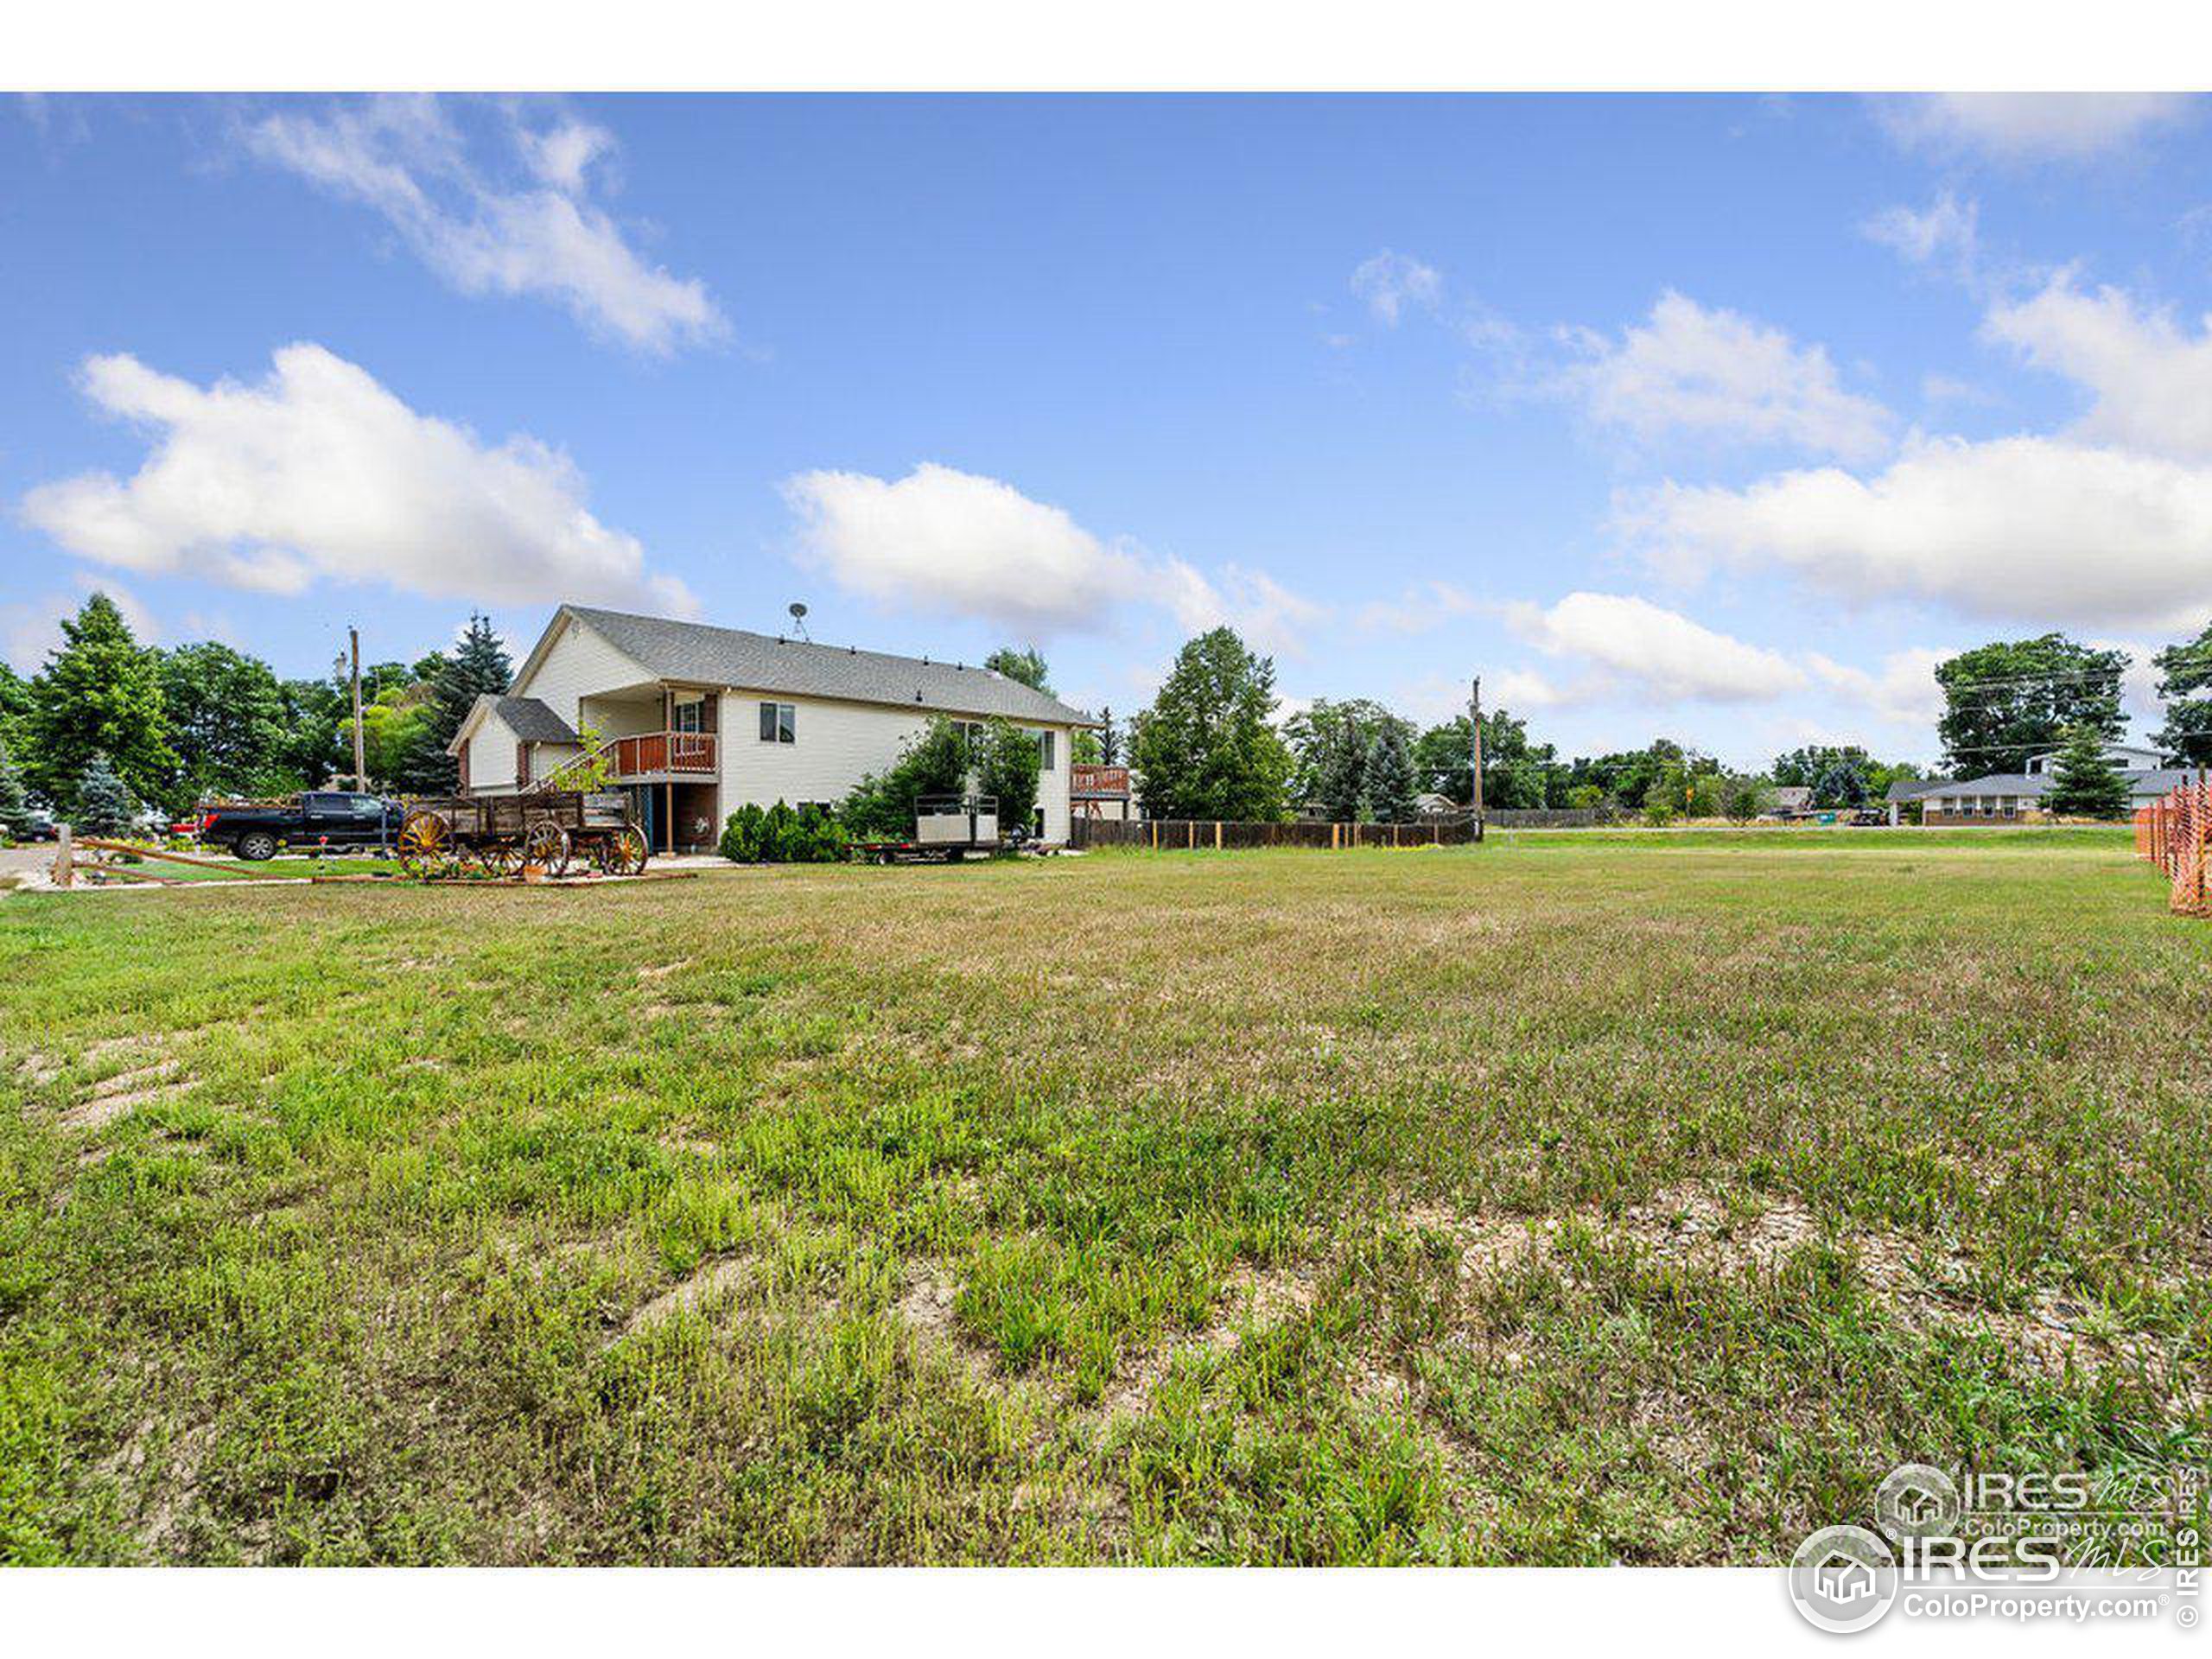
[
  {"x": 39, "y": 826},
  {"x": 319, "y": 821}
]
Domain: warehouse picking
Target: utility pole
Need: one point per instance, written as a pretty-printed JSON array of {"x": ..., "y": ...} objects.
[
  {"x": 1475, "y": 724},
  {"x": 361, "y": 768}
]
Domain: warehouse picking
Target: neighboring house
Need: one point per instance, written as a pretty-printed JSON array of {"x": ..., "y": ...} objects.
[
  {"x": 1790, "y": 801},
  {"x": 1100, "y": 791},
  {"x": 697, "y": 722},
  {"x": 2126, "y": 756},
  {"x": 2017, "y": 797}
]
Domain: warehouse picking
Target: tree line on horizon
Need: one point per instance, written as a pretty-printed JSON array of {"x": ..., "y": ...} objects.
[{"x": 108, "y": 724}]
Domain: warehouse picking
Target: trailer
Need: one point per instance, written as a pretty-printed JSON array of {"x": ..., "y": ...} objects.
[
  {"x": 947, "y": 828},
  {"x": 499, "y": 835}
]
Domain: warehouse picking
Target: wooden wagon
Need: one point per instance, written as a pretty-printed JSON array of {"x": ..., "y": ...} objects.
[{"x": 499, "y": 833}]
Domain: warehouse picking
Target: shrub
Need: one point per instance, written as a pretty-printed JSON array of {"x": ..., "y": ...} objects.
[
  {"x": 781, "y": 835},
  {"x": 740, "y": 841}
]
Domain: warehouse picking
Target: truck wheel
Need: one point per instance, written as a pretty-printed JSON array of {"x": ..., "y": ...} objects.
[{"x": 256, "y": 845}]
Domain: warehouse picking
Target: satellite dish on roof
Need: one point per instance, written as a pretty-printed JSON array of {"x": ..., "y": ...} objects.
[{"x": 799, "y": 618}]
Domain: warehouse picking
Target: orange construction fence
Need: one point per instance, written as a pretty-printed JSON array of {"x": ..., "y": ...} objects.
[{"x": 2174, "y": 833}]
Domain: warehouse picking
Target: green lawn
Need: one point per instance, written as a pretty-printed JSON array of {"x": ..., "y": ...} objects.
[{"x": 1568, "y": 1199}]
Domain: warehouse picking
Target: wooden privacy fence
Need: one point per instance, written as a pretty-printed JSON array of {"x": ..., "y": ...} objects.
[
  {"x": 2174, "y": 833},
  {"x": 1191, "y": 835}
]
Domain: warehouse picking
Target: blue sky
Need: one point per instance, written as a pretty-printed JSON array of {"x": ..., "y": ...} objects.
[{"x": 1715, "y": 416}]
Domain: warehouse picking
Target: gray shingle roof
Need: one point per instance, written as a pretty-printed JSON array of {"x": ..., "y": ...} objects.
[
  {"x": 1996, "y": 782},
  {"x": 2156, "y": 780},
  {"x": 531, "y": 721},
  {"x": 709, "y": 656},
  {"x": 1908, "y": 789}
]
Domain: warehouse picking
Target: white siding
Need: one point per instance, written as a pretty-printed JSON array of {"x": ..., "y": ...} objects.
[
  {"x": 838, "y": 744},
  {"x": 578, "y": 664},
  {"x": 491, "y": 757}
]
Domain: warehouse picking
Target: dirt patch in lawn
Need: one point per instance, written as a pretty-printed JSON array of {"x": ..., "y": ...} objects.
[
  {"x": 122, "y": 1093},
  {"x": 1252, "y": 1300},
  {"x": 1920, "y": 1281},
  {"x": 716, "y": 1282}
]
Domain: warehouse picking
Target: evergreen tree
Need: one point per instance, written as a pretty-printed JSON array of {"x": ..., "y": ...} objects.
[
  {"x": 2084, "y": 784},
  {"x": 105, "y": 805},
  {"x": 1338, "y": 773},
  {"x": 1109, "y": 740},
  {"x": 14, "y": 708},
  {"x": 477, "y": 666},
  {"x": 1390, "y": 776},
  {"x": 99, "y": 693},
  {"x": 1843, "y": 783},
  {"x": 2185, "y": 686},
  {"x": 15, "y": 805},
  {"x": 1207, "y": 747}
]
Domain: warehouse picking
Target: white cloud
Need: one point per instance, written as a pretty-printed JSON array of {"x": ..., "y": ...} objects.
[
  {"x": 2021, "y": 528},
  {"x": 1422, "y": 607},
  {"x": 30, "y": 629},
  {"x": 958, "y": 543},
  {"x": 319, "y": 472},
  {"x": 2151, "y": 378},
  {"x": 1717, "y": 374},
  {"x": 1946, "y": 233},
  {"x": 485, "y": 233},
  {"x": 2029, "y": 126},
  {"x": 1391, "y": 282},
  {"x": 1902, "y": 689},
  {"x": 1626, "y": 645}
]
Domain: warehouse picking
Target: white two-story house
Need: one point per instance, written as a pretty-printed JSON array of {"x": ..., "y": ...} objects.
[{"x": 699, "y": 720}]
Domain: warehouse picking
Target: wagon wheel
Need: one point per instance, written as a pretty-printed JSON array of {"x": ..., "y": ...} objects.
[
  {"x": 426, "y": 845},
  {"x": 501, "y": 860},
  {"x": 621, "y": 852},
  {"x": 546, "y": 845}
]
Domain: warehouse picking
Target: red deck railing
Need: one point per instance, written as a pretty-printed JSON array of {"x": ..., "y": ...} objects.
[{"x": 655, "y": 753}]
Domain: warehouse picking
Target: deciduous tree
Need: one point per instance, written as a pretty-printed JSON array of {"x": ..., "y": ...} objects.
[
  {"x": 1207, "y": 747},
  {"x": 2005, "y": 701},
  {"x": 2185, "y": 686},
  {"x": 1025, "y": 666}
]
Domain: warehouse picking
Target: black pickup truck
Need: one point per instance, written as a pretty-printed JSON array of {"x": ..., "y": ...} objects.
[{"x": 319, "y": 821}]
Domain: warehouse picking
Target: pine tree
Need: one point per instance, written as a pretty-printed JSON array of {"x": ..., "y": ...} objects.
[
  {"x": 99, "y": 693},
  {"x": 2084, "y": 784},
  {"x": 1109, "y": 740},
  {"x": 477, "y": 666},
  {"x": 1390, "y": 776},
  {"x": 105, "y": 805},
  {"x": 15, "y": 805},
  {"x": 1340, "y": 783}
]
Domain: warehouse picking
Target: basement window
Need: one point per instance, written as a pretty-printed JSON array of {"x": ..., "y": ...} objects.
[{"x": 779, "y": 722}]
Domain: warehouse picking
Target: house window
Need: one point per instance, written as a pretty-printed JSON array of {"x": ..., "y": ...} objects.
[
  {"x": 779, "y": 722},
  {"x": 1044, "y": 748},
  {"x": 971, "y": 736},
  {"x": 691, "y": 716}
]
